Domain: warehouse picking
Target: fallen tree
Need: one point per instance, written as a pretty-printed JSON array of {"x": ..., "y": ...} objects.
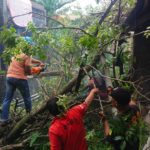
[{"x": 15, "y": 130}]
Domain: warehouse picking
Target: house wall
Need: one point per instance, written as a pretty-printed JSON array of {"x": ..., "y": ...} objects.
[
  {"x": 1, "y": 13},
  {"x": 38, "y": 14}
]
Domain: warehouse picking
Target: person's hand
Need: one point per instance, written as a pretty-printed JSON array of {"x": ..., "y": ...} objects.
[
  {"x": 42, "y": 64},
  {"x": 91, "y": 82},
  {"x": 102, "y": 116},
  {"x": 95, "y": 90},
  {"x": 109, "y": 90}
]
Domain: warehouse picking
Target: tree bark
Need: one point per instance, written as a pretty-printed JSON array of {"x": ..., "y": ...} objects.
[
  {"x": 138, "y": 20},
  {"x": 48, "y": 74}
]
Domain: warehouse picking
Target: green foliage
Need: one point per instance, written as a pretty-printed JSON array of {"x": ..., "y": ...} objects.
[
  {"x": 66, "y": 48},
  {"x": 67, "y": 44},
  {"x": 108, "y": 33},
  {"x": 125, "y": 132},
  {"x": 52, "y": 5},
  {"x": 130, "y": 3},
  {"x": 34, "y": 136},
  {"x": 38, "y": 142},
  {"x": 90, "y": 135},
  {"x": 8, "y": 37},
  {"x": 95, "y": 139},
  {"x": 147, "y": 32},
  {"x": 2, "y": 72},
  {"x": 15, "y": 44},
  {"x": 63, "y": 103},
  {"x": 88, "y": 42}
]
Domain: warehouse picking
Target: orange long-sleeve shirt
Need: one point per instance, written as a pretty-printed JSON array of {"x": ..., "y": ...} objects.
[{"x": 16, "y": 68}]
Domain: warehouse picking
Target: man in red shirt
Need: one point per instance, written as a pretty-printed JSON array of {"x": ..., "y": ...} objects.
[{"x": 67, "y": 132}]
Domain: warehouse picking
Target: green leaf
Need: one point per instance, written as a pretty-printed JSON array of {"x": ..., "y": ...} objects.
[
  {"x": 90, "y": 135},
  {"x": 33, "y": 138},
  {"x": 123, "y": 145}
]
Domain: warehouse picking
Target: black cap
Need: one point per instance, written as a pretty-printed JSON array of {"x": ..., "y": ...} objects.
[
  {"x": 52, "y": 106},
  {"x": 121, "y": 95}
]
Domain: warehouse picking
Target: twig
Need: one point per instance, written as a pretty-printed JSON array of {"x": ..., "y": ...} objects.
[
  {"x": 15, "y": 146},
  {"x": 30, "y": 130},
  {"x": 10, "y": 18},
  {"x": 43, "y": 88},
  {"x": 59, "y": 83},
  {"x": 65, "y": 27}
]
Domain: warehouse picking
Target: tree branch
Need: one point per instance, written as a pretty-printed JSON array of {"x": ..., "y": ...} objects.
[
  {"x": 104, "y": 16},
  {"x": 47, "y": 74},
  {"x": 107, "y": 11},
  {"x": 15, "y": 146},
  {"x": 11, "y": 18},
  {"x": 73, "y": 28}
]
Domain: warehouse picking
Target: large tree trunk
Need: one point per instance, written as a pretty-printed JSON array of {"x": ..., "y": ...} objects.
[
  {"x": 139, "y": 20},
  {"x": 141, "y": 64}
]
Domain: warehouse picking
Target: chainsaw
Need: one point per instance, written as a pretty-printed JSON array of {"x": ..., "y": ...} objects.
[{"x": 36, "y": 70}]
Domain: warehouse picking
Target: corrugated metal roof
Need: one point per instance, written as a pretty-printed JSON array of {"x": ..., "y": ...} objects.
[{"x": 20, "y": 11}]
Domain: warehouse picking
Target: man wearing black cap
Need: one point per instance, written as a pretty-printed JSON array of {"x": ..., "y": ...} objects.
[{"x": 123, "y": 131}]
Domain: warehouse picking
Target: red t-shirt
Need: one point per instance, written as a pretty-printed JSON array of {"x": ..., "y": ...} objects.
[{"x": 68, "y": 132}]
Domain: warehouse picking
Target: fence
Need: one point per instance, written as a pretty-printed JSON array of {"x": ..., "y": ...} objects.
[{"x": 19, "y": 102}]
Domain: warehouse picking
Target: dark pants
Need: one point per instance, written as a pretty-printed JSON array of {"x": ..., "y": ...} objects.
[{"x": 11, "y": 85}]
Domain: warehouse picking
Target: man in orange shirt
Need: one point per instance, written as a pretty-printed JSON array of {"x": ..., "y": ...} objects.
[{"x": 17, "y": 79}]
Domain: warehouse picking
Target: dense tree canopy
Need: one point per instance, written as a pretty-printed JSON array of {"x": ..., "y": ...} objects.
[{"x": 96, "y": 41}]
